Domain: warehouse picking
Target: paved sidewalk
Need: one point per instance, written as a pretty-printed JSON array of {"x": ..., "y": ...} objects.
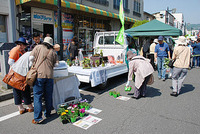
[{"x": 5, "y": 94}]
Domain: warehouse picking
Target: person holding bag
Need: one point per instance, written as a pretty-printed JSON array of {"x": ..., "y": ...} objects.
[
  {"x": 44, "y": 58},
  {"x": 16, "y": 66},
  {"x": 181, "y": 56}
]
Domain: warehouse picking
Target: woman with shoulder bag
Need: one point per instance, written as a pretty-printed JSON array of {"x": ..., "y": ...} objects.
[
  {"x": 181, "y": 56},
  {"x": 20, "y": 95},
  {"x": 44, "y": 58}
]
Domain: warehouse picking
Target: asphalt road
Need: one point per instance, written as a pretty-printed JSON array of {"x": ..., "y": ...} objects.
[{"x": 158, "y": 113}]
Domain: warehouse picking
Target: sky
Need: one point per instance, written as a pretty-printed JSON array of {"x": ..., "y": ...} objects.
[{"x": 189, "y": 8}]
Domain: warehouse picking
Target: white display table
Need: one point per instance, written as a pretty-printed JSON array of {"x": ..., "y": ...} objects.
[
  {"x": 98, "y": 75},
  {"x": 65, "y": 87}
]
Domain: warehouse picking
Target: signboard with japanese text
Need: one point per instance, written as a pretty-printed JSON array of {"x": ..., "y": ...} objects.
[
  {"x": 67, "y": 25},
  {"x": 42, "y": 15}
]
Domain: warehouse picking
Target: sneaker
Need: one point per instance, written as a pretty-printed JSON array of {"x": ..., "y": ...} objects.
[
  {"x": 159, "y": 78},
  {"x": 174, "y": 94},
  {"x": 163, "y": 79}
]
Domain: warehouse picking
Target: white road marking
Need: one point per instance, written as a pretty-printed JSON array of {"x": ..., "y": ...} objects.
[
  {"x": 5, "y": 103},
  {"x": 9, "y": 116}
]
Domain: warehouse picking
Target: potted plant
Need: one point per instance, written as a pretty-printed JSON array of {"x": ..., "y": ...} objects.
[
  {"x": 69, "y": 63},
  {"x": 101, "y": 53},
  {"x": 114, "y": 94},
  {"x": 86, "y": 63},
  {"x": 97, "y": 62},
  {"x": 73, "y": 116},
  {"x": 85, "y": 104},
  {"x": 82, "y": 112},
  {"x": 64, "y": 116},
  {"x": 111, "y": 93}
]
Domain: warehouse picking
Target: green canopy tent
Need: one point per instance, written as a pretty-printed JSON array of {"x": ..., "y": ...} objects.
[{"x": 154, "y": 28}]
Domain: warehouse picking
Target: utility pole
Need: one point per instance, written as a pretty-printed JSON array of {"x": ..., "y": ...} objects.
[
  {"x": 12, "y": 21},
  {"x": 59, "y": 30}
]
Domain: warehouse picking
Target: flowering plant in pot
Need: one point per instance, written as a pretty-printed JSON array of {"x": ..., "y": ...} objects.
[
  {"x": 84, "y": 104},
  {"x": 82, "y": 112},
  {"x": 73, "y": 116},
  {"x": 64, "y": 116}
]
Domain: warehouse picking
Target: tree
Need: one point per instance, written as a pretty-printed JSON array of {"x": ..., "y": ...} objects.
[{"x": 139, "y": 22}]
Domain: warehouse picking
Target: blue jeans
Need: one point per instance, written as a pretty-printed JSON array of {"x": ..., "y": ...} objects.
[
  {"x": 196, "y": 58},
  {"x": 161, "y": 68},
  {"x": 42, "y": 86}
]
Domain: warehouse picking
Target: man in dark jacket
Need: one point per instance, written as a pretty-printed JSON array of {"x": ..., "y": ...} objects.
[{"x": 36, "y": 39}]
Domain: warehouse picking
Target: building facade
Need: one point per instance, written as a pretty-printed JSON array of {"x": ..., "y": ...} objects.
[
  {"x": 165, "y": 17},
  {"x": 148, "y": 16},
  {"x": 81, "y": 18},
  {"x": 179, "y": 22}
]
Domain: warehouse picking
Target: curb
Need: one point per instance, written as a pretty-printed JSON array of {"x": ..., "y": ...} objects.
[{"x": 6, "y": 96}]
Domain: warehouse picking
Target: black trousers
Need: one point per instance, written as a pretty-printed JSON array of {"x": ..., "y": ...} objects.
[
  {"x": 151, "y": 57},
  {"x": 22, "y": 95}
]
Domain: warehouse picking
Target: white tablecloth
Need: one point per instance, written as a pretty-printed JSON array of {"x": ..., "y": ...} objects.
[
  {"x": 96, "y": 75},
  {"x": 65, "y": 87}
]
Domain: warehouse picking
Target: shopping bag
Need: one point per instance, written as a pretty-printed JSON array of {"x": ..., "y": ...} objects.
[{"x": 15, "y": 80}]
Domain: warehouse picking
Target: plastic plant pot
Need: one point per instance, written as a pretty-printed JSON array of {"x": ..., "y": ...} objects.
[
  {"x": 87, "y": 107},
  {"x": 110, "y": 93},
  {"x": 82, "y": 114},
  {"x": 115, "y": 95},
  {"x": 73, "y": 119}
]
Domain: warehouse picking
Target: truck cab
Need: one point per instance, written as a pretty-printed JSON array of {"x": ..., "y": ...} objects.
[{"x": 106, "y": 41}]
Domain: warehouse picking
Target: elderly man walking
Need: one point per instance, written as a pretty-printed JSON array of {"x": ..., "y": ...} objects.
[{"x": 161, "y": 52}]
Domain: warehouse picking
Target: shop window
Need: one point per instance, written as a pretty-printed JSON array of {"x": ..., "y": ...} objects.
[
  {"x": 3, "y": 33},
  {"x": 25, "y": 23}
]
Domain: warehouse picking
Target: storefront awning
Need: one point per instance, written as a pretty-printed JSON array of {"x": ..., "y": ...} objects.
[{"x": 76, "y": 6}]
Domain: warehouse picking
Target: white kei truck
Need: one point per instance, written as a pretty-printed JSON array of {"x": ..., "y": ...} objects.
[{"x": 106, "y": 41}]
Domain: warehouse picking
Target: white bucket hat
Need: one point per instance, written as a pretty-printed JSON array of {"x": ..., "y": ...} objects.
[
  {"x": 48, "y": 40},
  {"x": 181, "y": 40},
  {"x": 155, "y": 41}
]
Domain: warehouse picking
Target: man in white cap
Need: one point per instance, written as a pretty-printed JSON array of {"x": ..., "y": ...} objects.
[{"x": 181, "y": 55}]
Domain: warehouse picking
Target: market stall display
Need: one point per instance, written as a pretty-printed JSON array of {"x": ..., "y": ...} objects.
[
  {"x": 71, "y": 112},
  {"x": 65, "y": 85}
]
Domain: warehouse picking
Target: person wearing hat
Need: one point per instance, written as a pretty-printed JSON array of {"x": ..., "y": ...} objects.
[
  {"x": 196, "y": 53},
  {"x": 162, "y": 51},
  {"x": 45, "y": 56},
  {"x": 152, "y": 51},
  {"x": 181, "y": 55},
  {"x": 14, "y": 55},
  {"x": 142, "y": 69}
]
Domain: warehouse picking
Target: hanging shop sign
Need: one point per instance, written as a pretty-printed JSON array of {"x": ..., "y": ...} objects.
[
  {"x": 42, "y": 15},
  {"x": 67, "y": 25}
]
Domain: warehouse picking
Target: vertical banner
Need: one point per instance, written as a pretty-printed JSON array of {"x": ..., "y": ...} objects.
[
  {"x": 67, "y": 25},
  {"x": 120, "y": 36}
]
